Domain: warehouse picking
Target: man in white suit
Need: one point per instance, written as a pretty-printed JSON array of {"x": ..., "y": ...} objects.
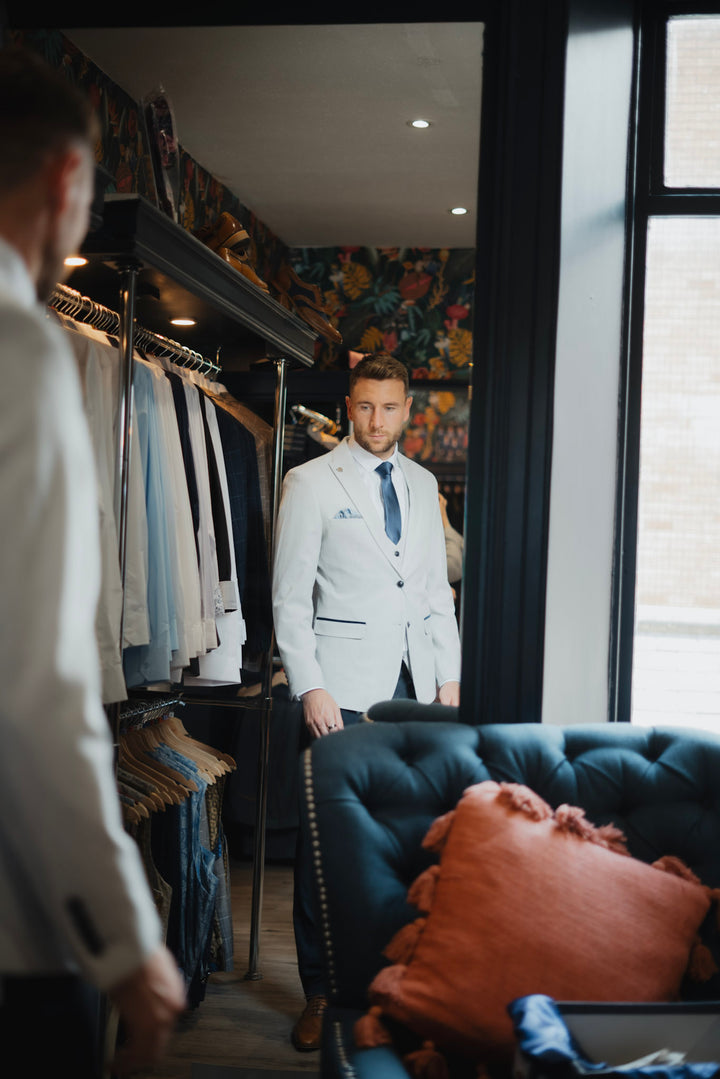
[
  {"x": 362, "y": 606},
  {"x": 76, "y": 912}
]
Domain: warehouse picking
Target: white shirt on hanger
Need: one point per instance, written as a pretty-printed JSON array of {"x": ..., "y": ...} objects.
[
  {"x": 211, "y": 596},
  {"x": 102, "y": 391},
  {"x": 223, "y": 665},
  {"x": 186, "y": 573}
]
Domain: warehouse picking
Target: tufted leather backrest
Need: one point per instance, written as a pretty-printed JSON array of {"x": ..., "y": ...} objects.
[{"x": 371, "y": 792}]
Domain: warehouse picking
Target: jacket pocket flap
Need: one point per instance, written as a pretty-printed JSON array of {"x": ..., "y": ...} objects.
[{"x": 339, "y": 627}]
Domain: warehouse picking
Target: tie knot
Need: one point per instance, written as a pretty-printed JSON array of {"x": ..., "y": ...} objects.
[{"x": 384, "y": 469}]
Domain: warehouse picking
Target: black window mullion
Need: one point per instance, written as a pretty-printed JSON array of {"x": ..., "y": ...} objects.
[
  {"x": 684, "y": 203},
  {"x": 650, "y": 198}
]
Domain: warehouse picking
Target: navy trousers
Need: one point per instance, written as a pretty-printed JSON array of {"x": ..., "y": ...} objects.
[{"x": 308, "y": 941}]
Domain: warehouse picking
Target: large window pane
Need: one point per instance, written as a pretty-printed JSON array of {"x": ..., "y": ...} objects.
[
  {"x": 676, "y": 662},
  {"x": 692, "y": 129}
]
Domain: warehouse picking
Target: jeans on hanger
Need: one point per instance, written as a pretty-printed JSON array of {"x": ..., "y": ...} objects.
[{"x": 187, "y": 866}]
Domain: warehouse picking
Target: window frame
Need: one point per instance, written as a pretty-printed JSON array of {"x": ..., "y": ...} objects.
[{"x": 649, "y": 198}]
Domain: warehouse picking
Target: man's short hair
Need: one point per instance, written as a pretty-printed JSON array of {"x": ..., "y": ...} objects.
[
  {"x": 379, "y": 366},
  {"x": 41, "y": 113}
]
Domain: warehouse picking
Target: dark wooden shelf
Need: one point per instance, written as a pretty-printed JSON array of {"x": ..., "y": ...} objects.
[{"x": 178, "y": 276}]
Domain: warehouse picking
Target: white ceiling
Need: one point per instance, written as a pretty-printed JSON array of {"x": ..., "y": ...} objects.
[{"x": 307, "y": 125}]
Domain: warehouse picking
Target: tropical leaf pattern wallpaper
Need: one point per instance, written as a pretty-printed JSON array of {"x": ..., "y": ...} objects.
[
  {"x": 414, "y": 302},
  {"x": 437, "y": 433}
]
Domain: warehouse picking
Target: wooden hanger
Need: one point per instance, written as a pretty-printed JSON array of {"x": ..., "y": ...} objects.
[
  {"x": 150, "y": 738},
  {"x": 226, "y": 762},
  {"x": 169, "y": 793},
  {"x": 204, "y": 757}
]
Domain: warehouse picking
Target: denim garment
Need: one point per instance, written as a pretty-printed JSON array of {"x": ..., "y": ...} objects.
[
  {"x": 194, "y": 884},
  {"x": 220, "y": 952}
]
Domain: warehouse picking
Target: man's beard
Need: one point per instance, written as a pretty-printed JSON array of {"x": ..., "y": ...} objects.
[
  {"x": 375, "y": 449},
  {"x": 52, "y": 269}
]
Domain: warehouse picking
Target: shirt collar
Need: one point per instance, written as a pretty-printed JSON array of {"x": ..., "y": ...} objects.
[
  {"x": 368, "y": 460},
  {"x": 15, "y": 276}
]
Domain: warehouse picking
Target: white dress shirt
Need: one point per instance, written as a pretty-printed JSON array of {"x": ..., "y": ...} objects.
[
  {"x": 73, "y": 890},
  {"x": 367, "y": 464}
]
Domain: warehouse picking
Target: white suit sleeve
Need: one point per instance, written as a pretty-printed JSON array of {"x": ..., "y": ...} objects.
[
  {"x": 62, "y": 833},
  {"x": 297, "y": 552}
]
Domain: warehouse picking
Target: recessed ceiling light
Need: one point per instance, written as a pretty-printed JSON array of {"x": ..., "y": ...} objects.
[
  {"x": 75, "y": 260},
  {"x": 458, "y": 211},
  {"x": 418, "y": 123},
  {"x": 182, "y": 321}
]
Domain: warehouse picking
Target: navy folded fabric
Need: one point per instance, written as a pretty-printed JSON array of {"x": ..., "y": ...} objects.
[{"x": 542, "y": 1036}]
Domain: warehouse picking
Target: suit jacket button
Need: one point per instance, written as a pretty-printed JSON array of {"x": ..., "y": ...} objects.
[
  {"x": 401, "y": 584},
  {"x": 397, "y": 554}
]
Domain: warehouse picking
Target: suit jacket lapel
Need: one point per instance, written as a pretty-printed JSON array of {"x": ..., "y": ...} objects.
[{"x": 345, "y": 471}]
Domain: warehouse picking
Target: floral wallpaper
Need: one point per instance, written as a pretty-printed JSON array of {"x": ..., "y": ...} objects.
[
  {"x": 124, "y": 153},
  {"x": 122, "y": 149},
  {"x": 437, "y": 433},
  {"x": 413, "y": 302}
]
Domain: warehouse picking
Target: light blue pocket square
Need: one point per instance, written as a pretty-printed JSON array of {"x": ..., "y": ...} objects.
[{"x": 349, "y": 512}]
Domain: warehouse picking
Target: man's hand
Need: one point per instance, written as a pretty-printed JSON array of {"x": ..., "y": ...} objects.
[
  {"x": 449, "y": 693},
  {"x": 148, "y": 1002},
  {"x": 322, "y": 715}
]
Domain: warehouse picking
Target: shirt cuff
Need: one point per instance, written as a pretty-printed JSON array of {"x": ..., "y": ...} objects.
[{"x": 299, "y": 696}]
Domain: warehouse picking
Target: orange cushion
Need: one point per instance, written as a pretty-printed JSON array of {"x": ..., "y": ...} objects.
[{"x": 527, "y": 900}]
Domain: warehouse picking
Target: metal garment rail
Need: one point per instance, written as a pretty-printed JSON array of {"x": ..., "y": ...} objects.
[
  {"x": 122, "y": 324},
  {"x": 68, "y": 301}
]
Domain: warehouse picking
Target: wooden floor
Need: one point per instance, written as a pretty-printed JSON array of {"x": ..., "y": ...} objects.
[{"x": 241, "y": 1022}]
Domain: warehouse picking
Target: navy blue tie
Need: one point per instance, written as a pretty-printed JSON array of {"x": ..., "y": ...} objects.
[{"x": 390, "y": 501}]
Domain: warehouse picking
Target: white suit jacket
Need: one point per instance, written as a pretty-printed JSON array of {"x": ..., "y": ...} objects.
[
  {"x": 345, "y": 599},
  {"x": 73, "y": 891}
]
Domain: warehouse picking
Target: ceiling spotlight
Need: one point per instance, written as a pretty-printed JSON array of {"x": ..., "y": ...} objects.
[
  {"x": 75, "y": 260},
  {"x": 418, "y": 123},
  {"x": 458, "y": 211},
  {"x": 182, "y": 321}
]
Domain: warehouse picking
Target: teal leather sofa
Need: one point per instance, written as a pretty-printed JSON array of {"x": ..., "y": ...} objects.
[{"x": 370, "y": 793}]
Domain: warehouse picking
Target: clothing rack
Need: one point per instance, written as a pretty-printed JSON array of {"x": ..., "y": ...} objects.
[
  {"x": 121, "y": 324},
  {"x": 138, "y": 712},
  {"x": 67, "y": 301}
]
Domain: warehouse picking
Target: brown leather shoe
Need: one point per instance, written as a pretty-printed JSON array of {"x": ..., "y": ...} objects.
[
  {"x": 226, "y": 232},
  {"x": 306, "y": 1032},
  {"x": 242, "y": 266}
]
